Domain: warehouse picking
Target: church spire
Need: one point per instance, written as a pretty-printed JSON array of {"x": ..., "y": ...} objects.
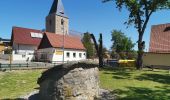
[
  {"x": 58, "y": 8},
  {"x": 57, "y": 21}
]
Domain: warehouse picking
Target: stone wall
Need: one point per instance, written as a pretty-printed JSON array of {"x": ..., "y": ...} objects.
[
  {"x": 53, "y": 24},
  {"x": 78, "y": 81}
]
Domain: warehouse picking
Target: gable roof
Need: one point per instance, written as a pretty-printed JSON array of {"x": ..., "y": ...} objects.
[
  {"x": 56, "y": 41},
  {"x": 58, "y": 8},
  {"x": 160, "y": 38},
  {"x": 23, "y": 36}
]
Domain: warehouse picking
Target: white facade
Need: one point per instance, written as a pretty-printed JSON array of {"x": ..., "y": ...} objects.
[
  {"x": 27, "y": 53},
  {"x": 56, "y": 55},
  {"x": 23, "y": 52}
]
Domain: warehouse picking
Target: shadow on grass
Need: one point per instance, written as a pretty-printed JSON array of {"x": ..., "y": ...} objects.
[
  {"x": 118, "y": 73},
  {"x": 141, "y": 93},
  {"x": 138, "y": 93},
  {"x": 164, "y": 79}
]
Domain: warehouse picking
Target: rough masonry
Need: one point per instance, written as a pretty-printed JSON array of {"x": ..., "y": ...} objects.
[{"x": 76, "y": 81}]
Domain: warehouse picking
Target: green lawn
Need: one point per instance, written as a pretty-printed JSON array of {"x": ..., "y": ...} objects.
[
  {"x": 17, "y": 83},
  {"x": 137, "y": 85},
  {"x": 126, "y": 84}
]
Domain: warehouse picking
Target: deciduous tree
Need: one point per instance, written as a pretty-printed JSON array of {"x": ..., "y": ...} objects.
[
  {"x": 140, "y": 12},
  {"x": 87, "y": 42},
  {"x": 121, "y": 43}
]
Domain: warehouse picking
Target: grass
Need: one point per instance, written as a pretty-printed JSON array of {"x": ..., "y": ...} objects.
[
  {"x": 17, "y": 83},
  {"x": 136, "y": 85},
  {"x": 126, "y": 84}
]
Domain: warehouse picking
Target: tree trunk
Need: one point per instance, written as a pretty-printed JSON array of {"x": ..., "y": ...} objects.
[
  {"x": 141, "y": 46},
  {"x": 139, "y": 60},
  {"x": 99, "y": 49}
]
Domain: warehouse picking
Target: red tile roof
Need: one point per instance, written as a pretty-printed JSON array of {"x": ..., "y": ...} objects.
[
  {"x": 23, "y": 36},
  {"x": 160, "y": 38},
  {"x": 70, "y": 42}
]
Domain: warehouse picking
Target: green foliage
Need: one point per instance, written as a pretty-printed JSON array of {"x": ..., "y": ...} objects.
[
  {"x": 8, "y": 51},
  {"x": 87, "y": 42},
  {"x": 140, "y": 12},
  {"x": 122, "y": 47},
  {"x": 105, "y": 51},
  {"x": 121, "y": 43}
]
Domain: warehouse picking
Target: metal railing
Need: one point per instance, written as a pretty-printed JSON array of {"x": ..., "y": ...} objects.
[{"x": 25, "y": 66}]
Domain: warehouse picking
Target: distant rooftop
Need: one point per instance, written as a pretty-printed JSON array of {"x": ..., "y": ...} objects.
[
  {"x": 4, "y": 40},
  {"x": 76, "y": 33},
  {"x": 159, "y": 40}
]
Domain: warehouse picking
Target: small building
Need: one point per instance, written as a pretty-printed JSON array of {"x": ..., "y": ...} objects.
[
  {"x": 54, "y": 44},
  {"x": 4, "y": 44},
  {"x": 25, "y": 43},
  {"x": 57, "y": 48},
  {"x": 159, "y": 48}
]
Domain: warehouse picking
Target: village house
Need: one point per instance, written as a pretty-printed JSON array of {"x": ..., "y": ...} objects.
[
  {"x": 55, "y": 44},
  {"x": 51, "y": 48},
  {"x": 159, "y": 48},
  {"x": 4, "y": 45},
  {"x": 159, "y": 39}
]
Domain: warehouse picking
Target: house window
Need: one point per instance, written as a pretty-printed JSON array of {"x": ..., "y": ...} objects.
[
  {"x": 68, "y": 54},
  {"x": 80, "y": 55},
  {"x": 74, "y": 55}
]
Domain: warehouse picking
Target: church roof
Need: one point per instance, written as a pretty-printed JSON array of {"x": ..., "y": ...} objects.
[
  {"x": 56, "y": 41},
  {"x": 160, "y": 38},
  {"x": 23, "y": 36},
  {"x": 58, "y": 8}
]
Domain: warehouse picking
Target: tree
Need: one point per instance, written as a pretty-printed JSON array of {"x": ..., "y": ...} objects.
[
  {"x": 121, "y": 43},
  {"x": 105, "y": 52},
  {"x": 99, "y": 48},
  {"x": 87, "y": 42},
  {"x": 140, "y": 12}
]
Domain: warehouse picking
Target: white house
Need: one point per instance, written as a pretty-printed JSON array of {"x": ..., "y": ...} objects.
[
  {"x": 24, "y": 43},
  {"x": 51, "y": 48},
  {"x": 52, "y": 45}
]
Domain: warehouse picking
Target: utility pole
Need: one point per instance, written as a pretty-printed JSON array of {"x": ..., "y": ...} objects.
[
  {"x": 63, "y": 37},
  {"x": 10, "y": 61}
]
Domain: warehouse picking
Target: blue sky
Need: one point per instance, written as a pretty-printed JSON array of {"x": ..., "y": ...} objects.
[{"x": 85, "y": 15}]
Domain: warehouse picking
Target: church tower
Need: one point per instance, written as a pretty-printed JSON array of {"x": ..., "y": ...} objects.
[{"x": 57, "y": 21}]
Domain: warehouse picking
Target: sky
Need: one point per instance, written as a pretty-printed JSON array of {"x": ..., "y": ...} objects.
[{"x": 84, "y": 15}]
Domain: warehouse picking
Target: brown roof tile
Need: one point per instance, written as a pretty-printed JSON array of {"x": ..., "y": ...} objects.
[
  {"x": 160, "y": 38},
  {"x": 70, "y": 42},
  {"x": 23, "y": 36}
]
